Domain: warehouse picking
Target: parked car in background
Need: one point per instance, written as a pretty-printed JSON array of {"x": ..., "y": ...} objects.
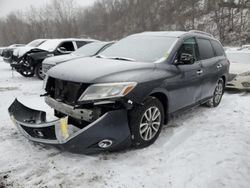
[
  {"x": 29, "y": 63},
  {"x": 239, "y": 69},
  {"x": 246, "y": 47},
  {"x": 18, "y": 52},
  {"x": 229, "y": 48},
  {"x": 88, "y": 50},
  {"x": 7, "y": 52},
  {"x": 124, "y": 95}
]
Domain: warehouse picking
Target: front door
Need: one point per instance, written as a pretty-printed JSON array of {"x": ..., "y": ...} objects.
[{"x": 184, "y": 86}]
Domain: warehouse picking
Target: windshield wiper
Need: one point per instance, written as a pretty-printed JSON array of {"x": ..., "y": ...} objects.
[
  {"x": 101, "y": 56},
  {"x": 122, "y": 58},
  {"x": 116, "y": 58}
]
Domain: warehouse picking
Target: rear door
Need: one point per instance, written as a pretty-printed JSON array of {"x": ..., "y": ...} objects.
[{"x": 211, "y": 65}]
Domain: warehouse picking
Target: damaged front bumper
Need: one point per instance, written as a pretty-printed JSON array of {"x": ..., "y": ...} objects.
[{"x": 110, "y": 132}]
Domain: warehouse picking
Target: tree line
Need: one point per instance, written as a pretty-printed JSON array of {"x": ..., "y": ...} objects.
[{"x": 228, "y": 20}]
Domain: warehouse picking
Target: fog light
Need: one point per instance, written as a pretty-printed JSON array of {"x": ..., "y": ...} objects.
[
  {"x": 105, "y": 144},
  {"x": 245, "y": 84}
]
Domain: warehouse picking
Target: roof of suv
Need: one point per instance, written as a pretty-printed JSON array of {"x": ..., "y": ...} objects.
[
  {"x": 165, "y": 33},
  {"x": 176, "y": 34}
]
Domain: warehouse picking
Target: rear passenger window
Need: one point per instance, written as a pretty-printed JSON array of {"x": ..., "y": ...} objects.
[
  {"x": 205, "y": 49},
  {"x": 217, "y": 48}
]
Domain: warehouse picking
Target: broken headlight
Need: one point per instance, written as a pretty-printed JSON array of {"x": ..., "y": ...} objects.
[{"x": 107, "y": 91}]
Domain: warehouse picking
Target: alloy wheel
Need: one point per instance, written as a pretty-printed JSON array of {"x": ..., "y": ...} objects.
[
  {"x": 150, "y": 123},
  {"x": 218, "y": 92}
]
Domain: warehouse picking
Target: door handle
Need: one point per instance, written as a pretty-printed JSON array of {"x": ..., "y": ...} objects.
[
  {"x": 199, "y": 72},
  {"x": 219, "y": 66}
]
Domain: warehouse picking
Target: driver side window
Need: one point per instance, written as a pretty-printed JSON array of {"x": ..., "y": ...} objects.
[
  {"x": 68, "y": 46},
  {"x": 189, "y": 50}
]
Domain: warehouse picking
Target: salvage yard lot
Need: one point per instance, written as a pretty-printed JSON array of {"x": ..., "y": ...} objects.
[{"x": 203, "y": 148}]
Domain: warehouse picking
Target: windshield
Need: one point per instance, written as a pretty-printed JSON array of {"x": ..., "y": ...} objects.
[
  {"x": 140, "y": 48},
  {"x": 239, "y": 57},
  {"x": 50, "y": 45},
  {"x": 35, "y": 43},
  {"x": 90, "y": 49}
]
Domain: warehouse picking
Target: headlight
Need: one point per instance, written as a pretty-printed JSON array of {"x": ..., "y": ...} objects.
[
  {"x": 245, "y": 74},
  {"x": 107, "y": 91}
]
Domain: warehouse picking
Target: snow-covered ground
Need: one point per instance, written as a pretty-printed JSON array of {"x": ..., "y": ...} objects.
[{"x": 202, "y": 149}]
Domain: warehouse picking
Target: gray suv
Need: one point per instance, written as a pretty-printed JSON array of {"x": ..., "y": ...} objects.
[{"x": 123, "y": 96}]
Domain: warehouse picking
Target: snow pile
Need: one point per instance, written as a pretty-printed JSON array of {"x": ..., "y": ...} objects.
[{"x": 203, "y": 148}]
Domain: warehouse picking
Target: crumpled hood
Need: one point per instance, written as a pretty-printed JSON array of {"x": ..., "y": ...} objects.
[
  {"x": 60, "y": 59},
  {"x": 239, "y": 68},
  {"x": 97, "y": 70},
  {"x": 21, "y": 51},
  {"x": 24, "y": 50}
]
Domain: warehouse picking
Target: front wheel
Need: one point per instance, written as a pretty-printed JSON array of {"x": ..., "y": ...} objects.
[
  {"x": 26, "y": 69},
  {"x": 146, "y": 122},
  {"x": 218, "y": 93}
]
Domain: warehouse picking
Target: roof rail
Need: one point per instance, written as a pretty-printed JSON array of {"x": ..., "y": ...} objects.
[{"x": 201, "y": 32}]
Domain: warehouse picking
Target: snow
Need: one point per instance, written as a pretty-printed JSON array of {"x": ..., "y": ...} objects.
[{"x": 205, "y": 147}]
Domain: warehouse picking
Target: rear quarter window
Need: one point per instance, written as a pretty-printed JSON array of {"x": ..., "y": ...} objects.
[
  {"x": 217, "y": 48},
  {"x": 205, "y": 48},
  {"x": 79, "y": 44}
]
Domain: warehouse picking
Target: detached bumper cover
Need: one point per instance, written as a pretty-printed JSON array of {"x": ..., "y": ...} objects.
[{"x": 111, "y": 126}]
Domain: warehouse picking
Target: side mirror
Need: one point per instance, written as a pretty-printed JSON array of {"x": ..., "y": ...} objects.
[
  {"x": 186, "y": 58},
  {"x": 62, "y": 50}
]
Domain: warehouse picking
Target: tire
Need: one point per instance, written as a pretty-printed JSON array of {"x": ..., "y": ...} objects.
[
  {"x": 27, "y": 70},
  {"x": 218, "y": 93},
  {"x": 39, "y": 71},
  {"x": 139, "y": 119}
]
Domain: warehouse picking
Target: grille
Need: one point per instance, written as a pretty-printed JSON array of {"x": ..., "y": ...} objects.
[
  {"x": 44, "y": 133},
  {"x": 65, "y": 91},
  {"x": 15, "y": 58}
]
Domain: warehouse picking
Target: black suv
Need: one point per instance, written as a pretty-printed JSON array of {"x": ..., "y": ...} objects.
[{"x": 124, "y": 95}]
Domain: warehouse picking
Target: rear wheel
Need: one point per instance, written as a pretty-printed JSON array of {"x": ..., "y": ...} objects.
[
  {"x": 146, "y": 122},
  {"x": 218, "y": 93},
  {"x": 39, "y": 71}
]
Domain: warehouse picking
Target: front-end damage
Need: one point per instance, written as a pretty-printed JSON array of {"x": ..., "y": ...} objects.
[{"x": 82, "y": 128}]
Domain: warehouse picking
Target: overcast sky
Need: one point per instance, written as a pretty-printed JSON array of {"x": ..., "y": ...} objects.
[{"x": 7, "y": 6}]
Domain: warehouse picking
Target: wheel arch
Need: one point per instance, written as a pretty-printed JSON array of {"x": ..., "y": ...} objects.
[
  {"x": 163, "y": 98},
  {"x": 224, "y": 79}
]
